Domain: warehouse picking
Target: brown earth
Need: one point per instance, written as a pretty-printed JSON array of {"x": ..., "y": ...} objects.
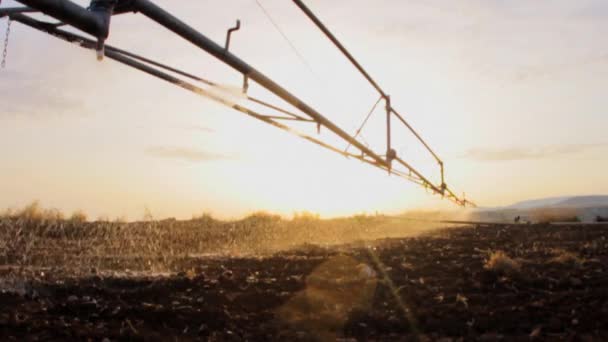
[{"x": 431, "y": 287}]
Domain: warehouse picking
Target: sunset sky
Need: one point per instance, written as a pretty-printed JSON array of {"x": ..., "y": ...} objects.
[{"x": 511, "y": 94}]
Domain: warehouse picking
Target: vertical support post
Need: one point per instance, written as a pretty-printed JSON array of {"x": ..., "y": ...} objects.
[
  {"x": 390, "y": 155},
  {"x": 245, "y": 84},
  {"x": 443, "y": 185}
]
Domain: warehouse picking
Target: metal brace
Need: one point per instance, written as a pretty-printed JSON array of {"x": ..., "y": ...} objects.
[{"x": 229, "y": 33}]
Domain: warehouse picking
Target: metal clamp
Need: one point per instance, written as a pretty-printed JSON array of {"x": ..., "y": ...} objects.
[
  {"x": 245, "y": 84},
  {"x": 103, "y": 9}
]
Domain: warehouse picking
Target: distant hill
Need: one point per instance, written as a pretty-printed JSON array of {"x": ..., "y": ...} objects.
[
  {"x": 584, "y": 202},
  {"x": 537, "y": 203},
  {"x": 584, "y": 208},
  {"x": 563, "y": 202}
]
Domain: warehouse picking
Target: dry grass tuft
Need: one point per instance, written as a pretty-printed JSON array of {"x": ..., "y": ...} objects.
[
  {"x": 306, "y": 216},
  {"x": 500, "y": 262},
  {"x": 262, "y": 217},
  {"x": 78, "y": 217},
  {"x": 34, "y": 212},
  {"x": 204, "y": 218}
]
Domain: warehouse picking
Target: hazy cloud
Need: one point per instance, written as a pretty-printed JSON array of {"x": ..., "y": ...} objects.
[
  {"x": 23, "y": 94},
  {"x": 200, "y": 128},
  {"x": 524, "y": 73},
  {"x": 521, "y": 153},
  {"x": 184, "y": 153},
  {"x": 597, "y": 10}
]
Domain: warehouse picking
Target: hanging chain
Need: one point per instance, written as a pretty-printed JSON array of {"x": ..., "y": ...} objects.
[{"x": 5, "y": 51}]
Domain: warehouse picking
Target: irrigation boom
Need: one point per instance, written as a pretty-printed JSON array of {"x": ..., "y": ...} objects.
[{"x": 95, "y": 21}]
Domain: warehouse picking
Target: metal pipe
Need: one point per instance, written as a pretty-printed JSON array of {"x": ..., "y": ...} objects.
[
  {"x": 418, "y": 174},
  {"x": 72, "y": 14},
  {"x": 197, "y": 90},
  {"x": 114, "y": 53},
  {"x": 175, "y": 25},
  {"x": 339, "y": 45},
  {"x": 281, "y": 110},
  {"x": 91, "y": 42},
  {"x": 14, "y": 10},
  {"x": 52, "y": 30},
  {"x": 119, "y": 57},
  {"x": 288, "y": 118}
]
